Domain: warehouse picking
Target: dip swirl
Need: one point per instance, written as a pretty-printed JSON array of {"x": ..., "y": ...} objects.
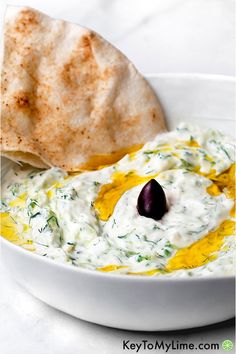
[{"x": 90, "y": 219}]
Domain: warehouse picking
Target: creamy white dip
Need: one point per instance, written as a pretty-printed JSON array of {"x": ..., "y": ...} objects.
[{"x": 59, "y": 215}]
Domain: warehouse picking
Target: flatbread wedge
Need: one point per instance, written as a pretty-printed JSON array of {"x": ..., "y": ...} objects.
[{"x": 68, "y": 96}]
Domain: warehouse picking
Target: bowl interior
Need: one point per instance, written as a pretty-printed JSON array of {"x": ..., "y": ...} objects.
[{"x": 205, "y": 100}]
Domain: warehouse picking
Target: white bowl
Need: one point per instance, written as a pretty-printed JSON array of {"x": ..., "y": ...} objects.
[{"x": 136, "y": 302}]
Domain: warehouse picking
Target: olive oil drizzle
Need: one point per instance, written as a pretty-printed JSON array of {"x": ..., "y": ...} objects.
[
  {"x": 97, "y": 162},
  {"x": 202, "y": 251},
  {"x": 196, "y": 255},
  {"x": 9, "y": 230},
  {"x": 109, "y": 194},
  {"x": 199, "y": 253}
]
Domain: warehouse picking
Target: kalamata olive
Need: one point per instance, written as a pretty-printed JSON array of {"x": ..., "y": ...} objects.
[{"x": 152, "y": 201}]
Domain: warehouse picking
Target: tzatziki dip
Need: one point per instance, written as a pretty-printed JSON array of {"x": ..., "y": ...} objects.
[{"x": 165, "y": 210}]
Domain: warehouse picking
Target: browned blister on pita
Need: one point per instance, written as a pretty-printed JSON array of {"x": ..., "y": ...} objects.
[{"x": 68, "y": 96}]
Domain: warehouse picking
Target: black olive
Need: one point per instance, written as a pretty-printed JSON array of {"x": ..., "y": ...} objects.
[{"x": 152, "y": 201}]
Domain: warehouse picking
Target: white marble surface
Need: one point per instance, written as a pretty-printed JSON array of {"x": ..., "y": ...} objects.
[{"x": 158, "y": 36}]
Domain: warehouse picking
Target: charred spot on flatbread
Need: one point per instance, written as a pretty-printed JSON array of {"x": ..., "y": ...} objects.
[{"x": 69, "y": 95}]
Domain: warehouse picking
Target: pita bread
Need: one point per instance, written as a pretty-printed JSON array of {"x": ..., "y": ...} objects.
[
  {"x": 68, "y": 95},
  {"x": 26, "y": 157}
]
